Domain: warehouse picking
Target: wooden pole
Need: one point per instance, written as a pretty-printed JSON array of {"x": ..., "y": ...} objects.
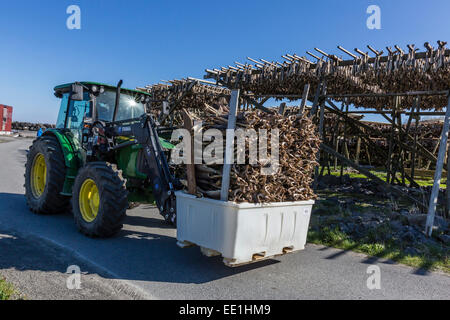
[
  {"x": 229, "y": 145},
  {"x": 315, "y": 105},
  {"x": 304, "y": 99},
  {"x": 337, "y": 134},
  {"x": 391, "y": 143},
  {"x": 358, "y": 150},
  {"x": 282, "y": 108},
  {"x": 190, "y": 167},
  {"x": 344, "y": 141},
  {"x": 427, "y": 167},
  {"x": 438, "y": 173},
  {"x": 447, "y": 193},
  {"x": 366, "y": 147},
  {"x": 321, "y": 124}
]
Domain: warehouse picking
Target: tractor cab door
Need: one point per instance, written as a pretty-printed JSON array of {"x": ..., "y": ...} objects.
[
  {"x": 61, "y": 121},
  {"x": 72, "y": 113},
  {"x": 76, "y": 113}
]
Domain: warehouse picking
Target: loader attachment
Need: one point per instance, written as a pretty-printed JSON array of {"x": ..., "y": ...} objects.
[{"x": 163, "y": 183}]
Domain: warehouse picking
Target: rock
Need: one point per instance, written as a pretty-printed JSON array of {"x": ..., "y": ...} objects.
[
  {"x": 378, "y": 218},
  {"x": 396, "y": 225},
  {"x": 329, "y": 180},
  {"x": 394, "y": 215},
  {"x": 411, "y": 251},
  {"x": 421, "y": 219},
  {"x": 346, "y": 179},
  {"x": 417, "y": 219},
  {"x": 356, "y": 187},
  {"x": 408, "y": 236},
  {"x": 356, "y": 214},
  {"x": 334, "y": 200},
  {"x": 320, "y": 211},
  {"x": 404, "y": 212},
  {"x": 351, "y": 227},
  {"x": 381, "y": 189},
  {"x": 445, "y": 239},
  {"x": 344, "y": 228}
]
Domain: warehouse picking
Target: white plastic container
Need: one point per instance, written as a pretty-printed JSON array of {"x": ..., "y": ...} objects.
[{"x": 242, "y": 233}]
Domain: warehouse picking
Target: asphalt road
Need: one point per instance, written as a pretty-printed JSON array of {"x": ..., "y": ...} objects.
[
  {"x": 144, "y": 255},
  {"x": 36, "y": 268}
]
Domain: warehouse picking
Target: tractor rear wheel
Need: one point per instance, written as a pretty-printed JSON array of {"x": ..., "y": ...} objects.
[
  {"x": 99, "y": 199},
  {"x": 45, "y": 172}
]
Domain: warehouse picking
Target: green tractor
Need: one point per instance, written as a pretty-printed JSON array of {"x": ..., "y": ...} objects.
[{"x": 106, "y": 147}]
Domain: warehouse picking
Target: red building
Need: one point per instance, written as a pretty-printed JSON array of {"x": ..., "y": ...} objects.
[{"x": 5, "y": 118}]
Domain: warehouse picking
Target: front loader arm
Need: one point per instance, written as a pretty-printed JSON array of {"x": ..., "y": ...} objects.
[{"x": 157, "y": 168}]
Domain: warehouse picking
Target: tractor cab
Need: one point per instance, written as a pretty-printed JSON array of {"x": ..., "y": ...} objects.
[{"x": 91, "y": 102}]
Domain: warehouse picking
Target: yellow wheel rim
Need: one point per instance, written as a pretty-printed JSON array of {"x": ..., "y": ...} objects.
[
  {"x": 89, "y": 200},
  {"x": 38, "y": 175}
]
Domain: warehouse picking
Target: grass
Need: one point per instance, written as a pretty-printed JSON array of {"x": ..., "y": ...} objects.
[
  {"x": 7, "y": 290},
  {"x": 423, "y": 180},
  {"x": 382, "y": 241},
  {"x": 431, "y": 258}
]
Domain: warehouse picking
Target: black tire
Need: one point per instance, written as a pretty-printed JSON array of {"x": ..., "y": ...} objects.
[
  {"x": 51, "y": 201},
  {"x": 113, "y": 199}
]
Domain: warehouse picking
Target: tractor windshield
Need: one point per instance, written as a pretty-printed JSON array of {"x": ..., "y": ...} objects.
[{"x": 129, "y": 106}]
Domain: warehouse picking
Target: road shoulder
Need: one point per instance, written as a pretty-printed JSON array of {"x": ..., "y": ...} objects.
[{"x": 37, "y": 269}]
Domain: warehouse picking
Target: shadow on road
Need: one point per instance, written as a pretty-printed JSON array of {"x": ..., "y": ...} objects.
[
  {"x": 147, "y": 222},
  {"x": 133, "y": 255}
]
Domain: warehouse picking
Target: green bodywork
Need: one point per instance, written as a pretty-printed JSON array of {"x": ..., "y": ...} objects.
[
  {"x": 126, "y": 158},
  {"x": 72, "y": 156}
]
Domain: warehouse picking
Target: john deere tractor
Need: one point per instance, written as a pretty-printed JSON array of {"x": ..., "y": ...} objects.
[{"x": 105, "y": 147}]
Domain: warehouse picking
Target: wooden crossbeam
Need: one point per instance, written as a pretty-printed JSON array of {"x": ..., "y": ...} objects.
[
  {"x": 344, "y": 63},
  {"x": 423, "y": 151},
  {"x": 175, "y": 105},
  {"x": 256, "y": 104}
]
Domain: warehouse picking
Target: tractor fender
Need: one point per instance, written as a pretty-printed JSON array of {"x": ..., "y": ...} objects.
[{"x": 72, "y": 158}]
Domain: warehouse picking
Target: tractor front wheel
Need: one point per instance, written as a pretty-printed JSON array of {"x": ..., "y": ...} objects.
[{"x": 99, "y": 199}]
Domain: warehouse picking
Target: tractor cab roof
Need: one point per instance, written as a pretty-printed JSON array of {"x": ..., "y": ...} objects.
[{"x": 63, "y": 88}]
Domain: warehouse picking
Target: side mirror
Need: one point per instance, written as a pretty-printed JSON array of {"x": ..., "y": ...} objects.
[{"x": 77, "y": 92}]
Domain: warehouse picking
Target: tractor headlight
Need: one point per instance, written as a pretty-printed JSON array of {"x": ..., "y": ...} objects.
[
  {"x": 102, "y": 89},
  {"x": 94, "y": 88}
]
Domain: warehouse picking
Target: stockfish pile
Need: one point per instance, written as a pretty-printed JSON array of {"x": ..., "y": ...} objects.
[
  {"x": 395, "y": 72},
  {"x": 298, "y": 146},
  {"x": 198, "y": 98}
]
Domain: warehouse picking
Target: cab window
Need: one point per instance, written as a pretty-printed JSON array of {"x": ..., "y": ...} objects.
[
  {"x": 77, "y": 111},
  {"x": 61, "y": 121},
  {"x": 129, "y": 107}
]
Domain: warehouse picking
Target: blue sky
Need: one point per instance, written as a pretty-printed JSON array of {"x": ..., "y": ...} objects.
[{"x": 144, "y": 41}]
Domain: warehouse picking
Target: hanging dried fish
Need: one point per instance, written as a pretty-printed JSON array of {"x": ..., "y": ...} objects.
[{"x": 298, "y": 145}]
